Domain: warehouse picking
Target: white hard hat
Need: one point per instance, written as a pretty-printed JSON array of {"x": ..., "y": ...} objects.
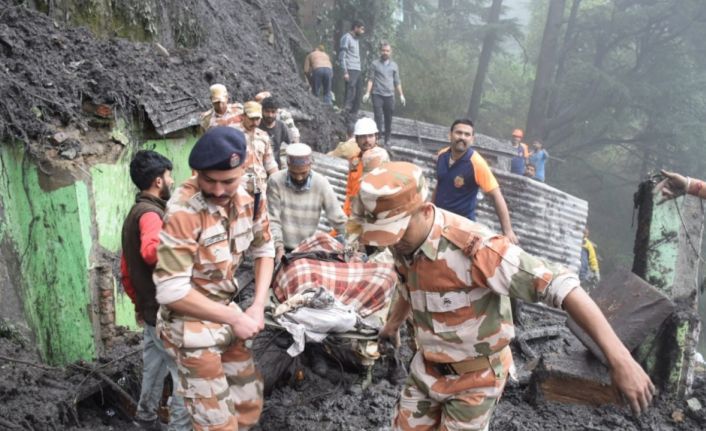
[{"x": 365, "y": 126}]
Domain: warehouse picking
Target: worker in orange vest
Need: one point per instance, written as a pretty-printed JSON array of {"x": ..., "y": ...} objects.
[{"x": 366, "y": 135}]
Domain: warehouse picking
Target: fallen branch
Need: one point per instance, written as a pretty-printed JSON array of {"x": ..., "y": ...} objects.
[
  {"x": 31, "y": 364},
  {"x": 107, "y": 380}
]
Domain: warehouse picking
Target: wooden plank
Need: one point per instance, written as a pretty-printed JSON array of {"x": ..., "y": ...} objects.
[{"x": 577, "y": 378}]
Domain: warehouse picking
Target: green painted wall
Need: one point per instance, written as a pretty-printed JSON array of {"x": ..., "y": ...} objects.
[
  {"x": 114, "y": 194},
  {"x": 50, "y": 233},
  {"x": 662, "y": 255}
]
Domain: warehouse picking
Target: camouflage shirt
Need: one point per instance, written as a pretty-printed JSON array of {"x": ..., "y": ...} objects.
[
  {"x": 460, "y": 305},
  {"x": 232, "y": 117},
  {"x": 202, "y": 245},
  {"x": 286, "y": 117},
  {"x": 261, "y": 161}
]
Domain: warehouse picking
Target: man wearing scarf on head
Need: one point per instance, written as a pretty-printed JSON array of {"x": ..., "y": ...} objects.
[{"x": 295, "y": 198}]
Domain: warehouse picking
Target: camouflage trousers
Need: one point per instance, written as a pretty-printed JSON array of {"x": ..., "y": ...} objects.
[
  {"x": 221, "y": 387},
  {"x": 432, "y": 401}
]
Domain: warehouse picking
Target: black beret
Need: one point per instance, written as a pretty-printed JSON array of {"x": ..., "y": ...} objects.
[{"x": 219, "y": 149}]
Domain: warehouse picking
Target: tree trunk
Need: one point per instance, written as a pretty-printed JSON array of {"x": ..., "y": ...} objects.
[
  {"x": 567, "y": 46},
  {"x": 546, "y": 65},
  {"x": 408, "y": 14},
  {"x": 489, "y": 41}
]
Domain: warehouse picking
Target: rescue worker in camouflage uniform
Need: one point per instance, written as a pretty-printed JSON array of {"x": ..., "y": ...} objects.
[
  {"x": 261, "y": 161},
  {"x": 222, "y": 113},
  {"x": 456, "y": 277},
  {"x": 211, "y": 222}
]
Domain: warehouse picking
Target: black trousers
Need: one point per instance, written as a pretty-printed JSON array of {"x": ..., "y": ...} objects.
[
  {"x": 354, "y": 86},
  {"x": 384, "y": 107}
]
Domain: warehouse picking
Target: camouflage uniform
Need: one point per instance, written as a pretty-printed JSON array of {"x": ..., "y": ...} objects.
[
  {"x": 260, "y": 160},
  {"x": 374, "y": 158},
  {"x": 458, "y": 284},
  {"x": 232, "y": 117},
  {"x": 202, "y": 245},
  {"x": 286, "y": 117}
]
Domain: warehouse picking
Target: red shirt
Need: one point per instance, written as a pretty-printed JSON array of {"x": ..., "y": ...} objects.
[{"x": 150, "y": 226}]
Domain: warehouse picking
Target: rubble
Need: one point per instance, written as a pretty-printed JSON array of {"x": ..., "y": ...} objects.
[{"x": 53, "y": 76}]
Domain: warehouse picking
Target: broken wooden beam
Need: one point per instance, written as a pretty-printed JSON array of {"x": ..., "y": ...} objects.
[
  {"x": 576, "y": 378},
  {"x": 633, "y": 307}
]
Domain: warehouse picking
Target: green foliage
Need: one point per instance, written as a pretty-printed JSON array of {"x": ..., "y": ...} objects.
[{"x": 438, "y": 60}]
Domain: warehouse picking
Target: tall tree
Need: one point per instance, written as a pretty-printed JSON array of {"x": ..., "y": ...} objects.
[
  {"x": 489, "y": 42},
  {"x": 546, "y": 65}
]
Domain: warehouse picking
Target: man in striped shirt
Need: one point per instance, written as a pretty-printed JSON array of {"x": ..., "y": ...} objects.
[{"x": 296, "y": 197}]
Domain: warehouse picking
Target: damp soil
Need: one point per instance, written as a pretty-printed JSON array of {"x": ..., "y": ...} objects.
[
  {"x": 299, "y": 399},
  {"x": 58, "y": 78}
]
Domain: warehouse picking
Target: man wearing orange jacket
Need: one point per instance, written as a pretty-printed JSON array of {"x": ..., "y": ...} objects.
[{"x": 366, "y": 134}]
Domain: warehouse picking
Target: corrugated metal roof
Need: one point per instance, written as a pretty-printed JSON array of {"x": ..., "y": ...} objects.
[{"x": 548, "y": 221}]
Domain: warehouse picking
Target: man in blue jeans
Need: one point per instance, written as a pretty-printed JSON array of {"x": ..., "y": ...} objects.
[
  {"x": 319, "y": 71},
  {"x": 384, "y": 80},
  {"x": 151, "y": 173}
]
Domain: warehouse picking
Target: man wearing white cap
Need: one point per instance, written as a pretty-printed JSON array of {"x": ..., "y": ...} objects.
[
  {"x": 222, "y": 113},
  {"x": 295, "y": 198}
]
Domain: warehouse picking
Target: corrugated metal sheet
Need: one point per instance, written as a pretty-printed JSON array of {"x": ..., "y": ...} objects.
[{"x": 548, "y": 221}]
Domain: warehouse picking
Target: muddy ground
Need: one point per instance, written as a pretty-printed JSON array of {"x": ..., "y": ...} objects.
[
  {"x": 34, "y": 398},
  {"x": 55, "y": 77},
  {"x": 52, "y": 78}
]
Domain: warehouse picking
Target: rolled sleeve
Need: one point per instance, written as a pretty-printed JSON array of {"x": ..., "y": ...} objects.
[
  {"x": 173, "y": 289},
  {"x": 508, "y": 270},
  {"x": 262, "y": 244},
  {"x": 175, "y": 256}
]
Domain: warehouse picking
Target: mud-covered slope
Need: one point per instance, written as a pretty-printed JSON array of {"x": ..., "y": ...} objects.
[{"x": 53, "y": 75}]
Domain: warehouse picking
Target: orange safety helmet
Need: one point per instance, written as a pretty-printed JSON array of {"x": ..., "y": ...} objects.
[{"x": 518, "y": 133}]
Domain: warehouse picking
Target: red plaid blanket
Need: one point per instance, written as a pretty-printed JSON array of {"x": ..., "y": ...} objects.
[{"x": 366, "y": 286}]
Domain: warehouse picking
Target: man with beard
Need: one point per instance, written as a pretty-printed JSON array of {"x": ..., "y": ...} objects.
[
  {"x": 295, "y": 198},
  {"x": 211, "y": 223},
  {"x": 276, "y": 129},
  {"x": 460, "y": 172},
  {"x": 151, "y": 173},
  {"x": 349, "y": 59},
  {"x": 383, "y": 82},
  {"x": 366, "y": 136},
  {"x": 455, "y": 277},
  {"x": 283, "y": 115},
  {"x": 222, "y": 113}
]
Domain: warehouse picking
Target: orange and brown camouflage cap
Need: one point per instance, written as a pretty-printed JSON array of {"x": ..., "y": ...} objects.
[
  {"x": 374, "y": 158},
  {"x": 389, "y": 195}
]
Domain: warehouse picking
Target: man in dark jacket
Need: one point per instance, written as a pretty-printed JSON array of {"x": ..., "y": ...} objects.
[{"x": 151, "y": 173}]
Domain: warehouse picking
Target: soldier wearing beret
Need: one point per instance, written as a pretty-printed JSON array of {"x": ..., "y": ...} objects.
[
  {"x": 210, "y": 225},
  {"x": 456, "y": 277}
]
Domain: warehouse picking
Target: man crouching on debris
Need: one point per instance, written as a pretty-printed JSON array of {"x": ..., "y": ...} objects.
[
  {"x": 209, "y": 226},
  {"x": 456, "y": 277}
]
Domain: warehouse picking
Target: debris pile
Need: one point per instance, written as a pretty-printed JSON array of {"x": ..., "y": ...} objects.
[{"x": 53, "y": 76}]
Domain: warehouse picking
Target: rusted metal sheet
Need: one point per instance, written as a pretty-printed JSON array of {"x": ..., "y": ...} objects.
[{"x": 548, "y": 221}]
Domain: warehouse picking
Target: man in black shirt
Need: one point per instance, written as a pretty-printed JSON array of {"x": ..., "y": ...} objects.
[{"x": 278, "y": 131}]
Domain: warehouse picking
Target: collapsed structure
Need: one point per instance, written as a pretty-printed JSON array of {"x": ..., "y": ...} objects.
[{"x": 76, "y": 108}]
